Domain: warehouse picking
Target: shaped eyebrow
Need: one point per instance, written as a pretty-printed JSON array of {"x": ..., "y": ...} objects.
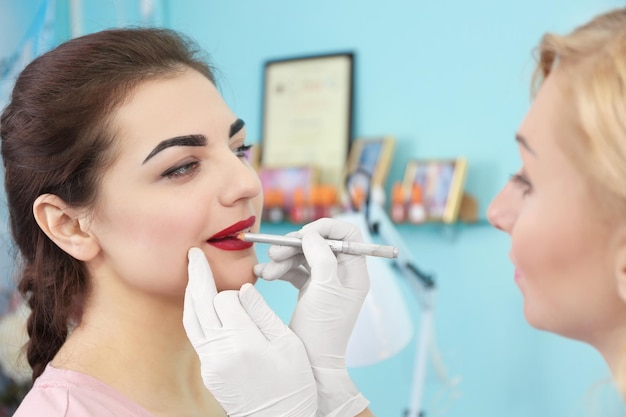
[
  {"x": 191, "y": 140},
  {"x": 236, "y": 127},
  {"x": 187, "y": 140}
]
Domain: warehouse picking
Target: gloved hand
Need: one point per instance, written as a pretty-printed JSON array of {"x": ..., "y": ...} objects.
[
  {"x": 251, "y": 362},
  {"x": 332, "y": 289}
]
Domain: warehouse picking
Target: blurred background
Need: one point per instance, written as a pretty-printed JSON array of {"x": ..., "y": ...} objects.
[{"x": 444, "y": 79}]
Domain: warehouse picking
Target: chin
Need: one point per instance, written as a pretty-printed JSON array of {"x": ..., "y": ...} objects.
[
  {"x": 541, "y": 322},
  {"x": 233, "y": 277},
  {"x": 232, "y": 269},
  {"x": 231, "y": 284}
]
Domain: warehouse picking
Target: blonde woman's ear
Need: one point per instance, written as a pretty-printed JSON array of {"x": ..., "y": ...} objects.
[
  {"x": 62, "y": 224},
  {"x": 620, "y": 274}
]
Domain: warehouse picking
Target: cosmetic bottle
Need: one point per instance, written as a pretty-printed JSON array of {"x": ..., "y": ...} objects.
[
  {"x": 315, "y": 203},
  {"x": 398, "y": 204},
  {"x": 299, "y": 212},
  {"x": 273, "y": 206},
  {"x": 324, "y": 201},
  {"x": 416, "y": 211},
  {"x": 357, "y": 197}
]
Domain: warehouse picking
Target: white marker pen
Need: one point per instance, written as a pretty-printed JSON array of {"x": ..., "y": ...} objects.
[{"x": 353, "y": 248}]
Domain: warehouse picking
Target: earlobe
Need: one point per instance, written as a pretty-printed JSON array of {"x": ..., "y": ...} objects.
[{"x": 62, "y": 225}]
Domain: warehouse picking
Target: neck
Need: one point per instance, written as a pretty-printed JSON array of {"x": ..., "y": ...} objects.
[
  {"x": 137, "y": 344},
  {"x": 612, "y": 346}
]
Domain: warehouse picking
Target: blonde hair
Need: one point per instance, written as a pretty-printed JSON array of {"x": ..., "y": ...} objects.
[{"x": 592, "y": 61}]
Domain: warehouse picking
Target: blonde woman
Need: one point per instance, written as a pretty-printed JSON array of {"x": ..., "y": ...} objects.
[{"x": 565, "y": 209}]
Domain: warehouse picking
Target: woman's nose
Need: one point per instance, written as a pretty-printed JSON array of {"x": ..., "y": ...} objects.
[
  {"x": 240, "y": 181},
  {"x": 503, "y": 210}
]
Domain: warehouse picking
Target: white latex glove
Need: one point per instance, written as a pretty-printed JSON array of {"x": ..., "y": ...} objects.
[
  {"x": 251, "y": 362},
  {"x": 332, "y": 289}
]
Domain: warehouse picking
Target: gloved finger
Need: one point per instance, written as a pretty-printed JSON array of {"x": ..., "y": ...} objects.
[
  {"x": 334, "y": 229},
  {"x": 297, "y": 276},
  {"x": 261, "y": 314},
  {"x": 280, "y": 253},
  {"x": 194, "y": 331},
  {"x": 319, "y": 256},
  {"x": 230, "y": 311},
  {"x": 340, "y": 230},
  {"x": 276, "y": 269},
  {"x": 199, "y": 294}
]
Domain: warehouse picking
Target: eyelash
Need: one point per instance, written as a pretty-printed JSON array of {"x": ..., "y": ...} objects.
[
  {"x": 242, "y": 151},
  {"x": 190, "y": 167},
  {"x": 523, "y": 182},
  {"x": 181, "y": 171}
]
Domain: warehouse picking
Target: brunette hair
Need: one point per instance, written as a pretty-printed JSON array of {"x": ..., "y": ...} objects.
[{"x": 56, "y": 139}]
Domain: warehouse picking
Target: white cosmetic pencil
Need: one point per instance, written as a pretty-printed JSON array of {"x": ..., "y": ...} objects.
[{"x": 353, "y": 248}]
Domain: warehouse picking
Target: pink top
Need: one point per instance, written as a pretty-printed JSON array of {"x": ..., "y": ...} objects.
[{"x": 60, "y": 392}]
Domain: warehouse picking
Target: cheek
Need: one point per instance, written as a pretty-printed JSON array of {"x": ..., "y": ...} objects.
[
  {"x": 563, "y": 263},
  {"x": 147, "y": 245},
  {"x": 257, "y": 206}
]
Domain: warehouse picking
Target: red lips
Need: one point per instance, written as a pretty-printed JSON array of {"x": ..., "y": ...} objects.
[{"x": 227, "y": 238}]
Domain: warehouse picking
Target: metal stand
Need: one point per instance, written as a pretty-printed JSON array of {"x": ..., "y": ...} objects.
[{"x": 424, "y": 288}]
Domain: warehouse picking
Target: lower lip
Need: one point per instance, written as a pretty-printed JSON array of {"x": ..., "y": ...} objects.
[
  {"x": 517, "y": 275},
  {"x": 231, "y": 244}
]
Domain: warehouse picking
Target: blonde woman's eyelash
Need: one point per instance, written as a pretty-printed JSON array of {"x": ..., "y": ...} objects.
[{"x": 521, "y": 179}]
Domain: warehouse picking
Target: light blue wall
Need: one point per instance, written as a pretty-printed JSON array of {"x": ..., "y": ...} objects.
[
  {"x": 18, "y": 21},
  {"x": 446, "y": 79}
]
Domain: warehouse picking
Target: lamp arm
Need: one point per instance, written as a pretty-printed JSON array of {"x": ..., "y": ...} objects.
[{"x": 380, "y": 224}]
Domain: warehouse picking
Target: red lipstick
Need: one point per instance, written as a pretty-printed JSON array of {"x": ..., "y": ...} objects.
[{"x": 227, "y": 238}]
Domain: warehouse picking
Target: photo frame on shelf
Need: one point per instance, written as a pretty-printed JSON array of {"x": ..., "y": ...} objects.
[
  {"x": 307, "y": 113},
  {"x": 287, "y": 180},
  {"x": 373, "y": 156},
  {"x": 441, "y": 182},
  {"x": 367, "y": 167}
]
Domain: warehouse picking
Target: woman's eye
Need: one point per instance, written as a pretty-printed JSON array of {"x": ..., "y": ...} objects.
[
  {"x": 523, "y": 182},
  {"x": 242, "y": 151},
  {"x": 181, "y": 171}
]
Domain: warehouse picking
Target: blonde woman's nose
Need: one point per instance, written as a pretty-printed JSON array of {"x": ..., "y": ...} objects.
[{"x": 503, "y": 210}]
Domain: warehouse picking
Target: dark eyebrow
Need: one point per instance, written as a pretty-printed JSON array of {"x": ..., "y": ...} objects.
[
  {"x": 236, "y": 127},
  {"x": 187, "y": 140},
  {"x": 522, "y": 141}
]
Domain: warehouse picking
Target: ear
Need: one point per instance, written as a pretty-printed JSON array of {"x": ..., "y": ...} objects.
[
  {"x": 63, "y": 225},
  {"x": 620, "y": 270},
  {"x": 620, "y": 273}
]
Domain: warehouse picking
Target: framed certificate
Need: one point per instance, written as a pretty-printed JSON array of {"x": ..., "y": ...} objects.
[{"x": 307, "y": 113}]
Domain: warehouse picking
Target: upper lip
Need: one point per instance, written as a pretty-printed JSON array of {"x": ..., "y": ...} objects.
[{"x": 234, "y": 229}]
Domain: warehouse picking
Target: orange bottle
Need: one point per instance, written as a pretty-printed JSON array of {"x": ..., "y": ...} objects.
[
  {"x": 327, "y": 200},
  {"x": 300, "y": 210},
  {"x": 416, "y": 210},
  {"x": 358, "y": 197},
  {"x": 273, "y": 206},
  {"x": 398, "y": 203}
]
